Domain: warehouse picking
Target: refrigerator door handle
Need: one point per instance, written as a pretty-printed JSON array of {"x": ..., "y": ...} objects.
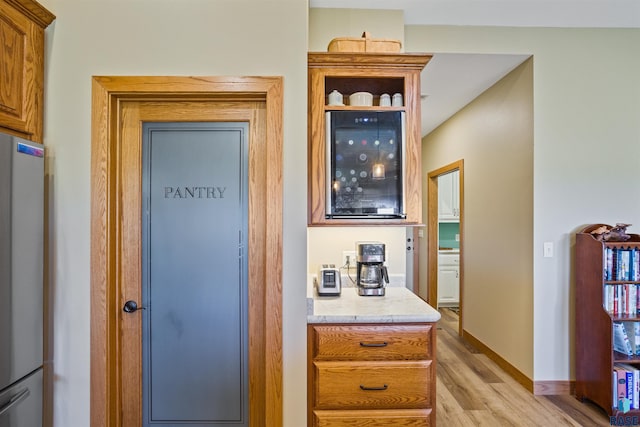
[{"x": 14, "y": 401}]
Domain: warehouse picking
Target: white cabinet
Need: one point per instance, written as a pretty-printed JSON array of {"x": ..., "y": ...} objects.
[
  {"x": 448, "y": 280},
  {"x": 449, "y": 197}
]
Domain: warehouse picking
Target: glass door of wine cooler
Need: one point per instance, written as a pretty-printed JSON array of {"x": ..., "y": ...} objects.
[{"x": 365, "y": 164}]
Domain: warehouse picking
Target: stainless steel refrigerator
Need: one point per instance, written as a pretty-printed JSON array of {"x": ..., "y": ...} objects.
[{"x": 21, "y": 281}]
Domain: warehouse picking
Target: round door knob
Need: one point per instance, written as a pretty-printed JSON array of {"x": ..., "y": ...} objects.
[{"x": 131, "y": 306}]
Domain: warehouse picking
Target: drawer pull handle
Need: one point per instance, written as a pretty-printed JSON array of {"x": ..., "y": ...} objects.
[
  {"x": 384, "y": 387},
  {"x": 373, "y": 344}
]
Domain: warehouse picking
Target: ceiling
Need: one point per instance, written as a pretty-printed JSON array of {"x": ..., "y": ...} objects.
[
  {"x": 506, "y": 13},
  {"x": 446, "y": 86}
]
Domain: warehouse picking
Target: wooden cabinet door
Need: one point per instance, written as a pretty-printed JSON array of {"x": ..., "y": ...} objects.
[
  {"x": 445, "y": 196},
  {"x": 448, "y": 285},
  {"x": 449, "y": 197},
  {"x": 22, "y": 67},
  {"x": 455, "y": 193},
  {"x": 14, "y": 28}
]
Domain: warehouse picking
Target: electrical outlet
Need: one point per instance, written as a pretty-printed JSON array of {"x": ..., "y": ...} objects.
[{"x": 349, "y": 257}]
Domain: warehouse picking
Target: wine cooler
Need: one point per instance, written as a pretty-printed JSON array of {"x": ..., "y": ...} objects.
[{"x": 365, "y": 164}]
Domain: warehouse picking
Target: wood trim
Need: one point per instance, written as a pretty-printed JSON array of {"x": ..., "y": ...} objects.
[
  {"x": 411, "y": 61},
  {"x": 34, "y": 10},
  {"x": 432, "y": 235},
  {"x": 265, "y": 239},
  {"x": 432, "y": 240},
  {"x": 413, "y": 149},
  {"x": 541, "y": 388},
  {"x": 272, "y": 322},
  {"x": 514, "y": 372},
  {"x": 460, "y": 164},
  {"x": 102, "y": 402},
  {"x": 310, "y": 383}
]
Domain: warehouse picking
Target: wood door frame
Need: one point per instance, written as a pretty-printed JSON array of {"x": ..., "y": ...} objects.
[
  {"x": 432, "y": 232},
  {"x": 265, "y": 307}
]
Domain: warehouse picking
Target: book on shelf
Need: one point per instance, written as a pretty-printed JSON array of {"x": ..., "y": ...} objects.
[
  {"x": 631, "y": 383},
  {"x": 614, "y": 389},
  {"x": 621, "y": 264},
  {"x": 607, "y": 298},
  {"x": 633, "y": 333},
  {"x": 630, "y": 298},
  {"x": 621, "y": 342},
  {"x": 622, "y": 402},
  {"x": 621, "y": 299}
]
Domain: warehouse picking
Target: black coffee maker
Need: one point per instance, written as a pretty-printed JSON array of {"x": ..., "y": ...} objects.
[{"x": 371, "y": 272}]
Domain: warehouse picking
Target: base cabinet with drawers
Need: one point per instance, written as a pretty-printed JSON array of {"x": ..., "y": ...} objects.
[{"x": 371, "y": 375}]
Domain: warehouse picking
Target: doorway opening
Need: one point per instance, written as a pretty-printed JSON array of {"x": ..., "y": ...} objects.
[{"x": 445, "y": 209}]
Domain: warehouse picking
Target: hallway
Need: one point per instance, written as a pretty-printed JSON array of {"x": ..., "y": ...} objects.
[{"x": 473, "y": 391}]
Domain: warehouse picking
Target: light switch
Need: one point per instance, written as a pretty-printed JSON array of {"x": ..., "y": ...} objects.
[{"x": 548, "y": 249}]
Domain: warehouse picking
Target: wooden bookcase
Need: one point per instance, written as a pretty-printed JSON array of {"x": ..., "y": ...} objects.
[
  {"x": 370, "y": 72},
  {"x": 594, "y": 352}
]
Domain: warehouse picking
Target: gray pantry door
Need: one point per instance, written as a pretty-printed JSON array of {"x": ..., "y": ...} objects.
[{"x": 194, "y": 274}]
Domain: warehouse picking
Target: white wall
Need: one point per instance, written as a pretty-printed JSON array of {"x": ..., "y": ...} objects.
[
  {"x": 150, "y": 37},
  {"x": 326, "y": 245},
  {"x": 586, "y": 151},
  {"x": 327, "y": 24}
]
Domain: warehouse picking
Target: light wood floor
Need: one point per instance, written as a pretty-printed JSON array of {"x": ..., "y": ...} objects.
[{"x": 473, "y": 391}]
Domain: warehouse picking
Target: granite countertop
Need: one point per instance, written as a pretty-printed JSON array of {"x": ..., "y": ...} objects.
[{"x": 398, "y": 305}]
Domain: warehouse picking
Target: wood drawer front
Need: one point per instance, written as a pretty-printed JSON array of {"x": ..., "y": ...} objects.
[
  {"x": 357, "y": 385},
  {"x": 373, "y": 418},
  {"x": 364, "y": 342}
]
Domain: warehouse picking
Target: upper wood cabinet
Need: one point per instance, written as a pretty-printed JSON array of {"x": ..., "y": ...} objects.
[
  {"x": 22, "y": 24},
  {"x": 376, "y": 73}
]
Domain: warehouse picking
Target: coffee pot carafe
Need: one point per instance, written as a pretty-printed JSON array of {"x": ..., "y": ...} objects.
[{"x": 371, "y": 274}]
